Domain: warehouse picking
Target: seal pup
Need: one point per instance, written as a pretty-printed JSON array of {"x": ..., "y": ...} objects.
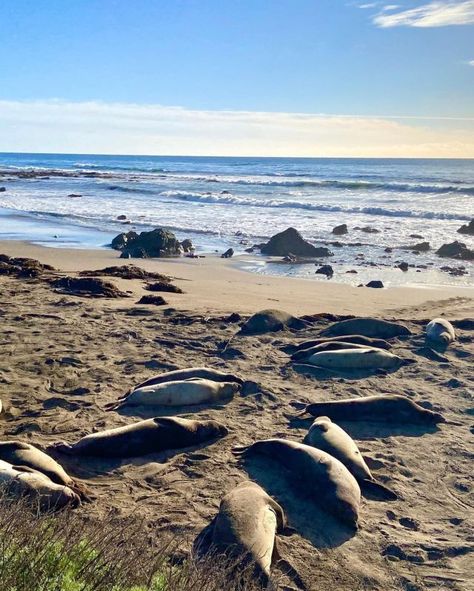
[
  {"x": 326, "y": 435},
  {"x": 369, "y": 327},
  {"x": 393, "y": 408},
  {"x": 20, "y": 453},
  {"x": 355, "y": 339},
  {"x": 178, "y": 393},
  {"x": 440, "y": 331},
  {"x": 244, "y": 530},
  {"x": 357, "y": 358},
  {"x": 145, "y": 437},
  {"x": 270, "y": 321},
  {"x": 207, "y": 373},
  {"x": 329, "y": 481},
  {"x": 304, "y": 354},
  {"x": 20, "y": 481}
]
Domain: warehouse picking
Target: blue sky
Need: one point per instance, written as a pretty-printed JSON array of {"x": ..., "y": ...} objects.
[{"x": 330, "y": 59}]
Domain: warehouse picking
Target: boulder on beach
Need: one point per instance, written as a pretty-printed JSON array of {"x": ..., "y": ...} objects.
[
  {"x": 340, "y": 230},
  {"x": 377, "y": 284},
  {"x": 187, "y": 245},
  {"x": 367, "y": 230},
  {"x": 420, "y": 247},
  {"x": 456, "y": 250},
  {"x": 227, "y": 254},
  {"x": 467, "y": 228},
  {"x": 122, "y": 217},
  {"x": 2, "y": 189},
  {"x": 403, "y": 266},
  {"x": 291, "y": 241},
  {"x": 156, "y": 243}
]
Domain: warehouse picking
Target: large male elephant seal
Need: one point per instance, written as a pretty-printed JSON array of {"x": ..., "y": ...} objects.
[
  {"x": 20, "y": 453},
  {"x": 270, "y": 321},
  {"x": 369, "y": 327},
  {"x": 21, "y": 481},
  {"x": 244, "y": 530},
  {"x": 179, "y": 393},
  {"x": 355, "y": 359},
  {"x": 392, "y": 408},
  {"x": 355, "y": 339},
  {"x": 326, "y": 435},
  {"x": 145, "y": 437},
  {"x": 440, "y": 332},
  {"x": 326, "y": 478},
  {"x": 207, "y": 373}
]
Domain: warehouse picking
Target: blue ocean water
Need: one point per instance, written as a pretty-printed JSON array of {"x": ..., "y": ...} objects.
[{"x": 222, "y": 202}]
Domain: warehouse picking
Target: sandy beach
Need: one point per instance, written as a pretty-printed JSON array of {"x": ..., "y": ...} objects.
[{"x": 64, "y": 357}]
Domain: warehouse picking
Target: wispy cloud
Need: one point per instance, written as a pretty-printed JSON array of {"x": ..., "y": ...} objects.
[
  {"x": 471, "y": 63},
  {"x": 433, "y": 14},
  {"x": 126, "y": 128},
  {"x": 368, "y": 5}
]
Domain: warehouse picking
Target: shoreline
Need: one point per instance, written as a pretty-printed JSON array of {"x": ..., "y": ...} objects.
[{"x": 213, "y": 284}]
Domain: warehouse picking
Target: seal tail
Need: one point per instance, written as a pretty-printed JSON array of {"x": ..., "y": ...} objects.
[
  {"x": 62, "y": 448},
  {"x": 241, "y": 450},
  {"x": 378, "y": 490},
  {"x": 115, "y": 405},
  {"x": 82, "y": 491}
]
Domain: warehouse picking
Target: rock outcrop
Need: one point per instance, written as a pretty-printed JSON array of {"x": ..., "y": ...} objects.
[
  {"x": 156, "y": 243},
  {"x": 467, "y": 228},
  {"x": 340, "y": 230},
  {"x": 290, "y": 241},
  {"x": 456, "y": 250}
]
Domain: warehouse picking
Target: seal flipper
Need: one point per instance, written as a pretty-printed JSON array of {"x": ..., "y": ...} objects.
[
  {"x": 378, "y": 490},
  {"x": 62, "y": 448}
]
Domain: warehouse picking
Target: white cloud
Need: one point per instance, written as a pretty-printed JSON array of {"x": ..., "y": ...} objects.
[
  {"x": 471, "y": 63},
  {"x": 390, "y": 7},
  {"x": 123, "y": 128},
  {"x": 369, "y": 5},
  {"x": 434, "y": 14}
]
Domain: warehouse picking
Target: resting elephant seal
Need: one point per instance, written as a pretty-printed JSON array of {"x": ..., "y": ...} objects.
[
  {"x": 192, "y": 372},
  {"x": 145, "y": 437},
  {"x": 354, "y": 359},
  {"x": 179, "y": 393},
  {"x": 329, "y": 481},
  {"x": 369, "y": 327},
  {"x": 245, "y": 529},
  {"x": 440, "y": 331},
  {"x": 380, "y": 409},
  {"x": 20, "y": 453},
  {"x": 20, "y": 481},
  {"x": 326, "y": 435},
  {"x": 305, "y": 354},
  {"x": 355, "y": 339},
  {"x": 270, "y": 321}
]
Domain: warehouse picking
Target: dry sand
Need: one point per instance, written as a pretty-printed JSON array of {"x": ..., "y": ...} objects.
[{"x": 63, "y": 358}]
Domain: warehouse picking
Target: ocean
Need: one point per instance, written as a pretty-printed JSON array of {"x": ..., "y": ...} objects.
[{"x": 235, "y": 202}]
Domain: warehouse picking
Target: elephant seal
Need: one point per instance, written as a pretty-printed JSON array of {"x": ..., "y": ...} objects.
[
  {"x": 326, "y": 435},
  {"x": 369, "y": 327},
  {"x": 355, "y": 339},
  {"x": 244, "y": 530},
  {"x": 207, "y": 373},
  {"x": 329, "y": 481},
  {"x": 384, "y": 409},
  {"x": 270, "y": 321},
  {"x": 440, "y": 332},
  {"x": 20, "y": 453},
  {"x": 179, "y": 393},
  {"x": 20, "y": 481},
  {"x": 305, "y": 354},
  {"x": 354, "y": 359},
  {"x": 145, "y": 437}
]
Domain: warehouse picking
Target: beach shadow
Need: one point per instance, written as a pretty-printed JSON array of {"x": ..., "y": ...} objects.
[
  {"x": 149, "y": 412},
  {"x": 322, "y": 374},
  {"x": 321, "y": 529},
  {"x": 363, "y": 430}
]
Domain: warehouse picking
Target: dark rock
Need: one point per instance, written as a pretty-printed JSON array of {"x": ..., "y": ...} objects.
[
  {"x": 152, "y": 300},
  {"x": 74, "y": 195},
  {"x": 352, "y": 271},
  {"x": 455, "y": 271},
  {"x": 388, "y": 249},
  {"x": 420, "y": 247},
  {"x": 122, "y": 217},
  {"x": 2, "y": 189},
  {"x": 125, "y": 272},
  {"x": 417, "y": 236},
  {"x": 22, "y": 267},
  {"x": 290, "y": 258},
  {"x": 456, "y": 250},
  {"x": 403, "y": 266},
  {"x": 291, "y": 241},
  {"x": 125, "y": 255},
  {"x": 156, "y": 243},
  {"x": 368, "y": 230},
  {"x": 163, "y": 286},
  {"x": 227, "y": 254},
  {"x": 467, "y": 228},
  {"x": 234, "y": 317},
  {"x": 326, "y": 270},
  {"x": 88, "y": 286},
  {"x": 376, "y": 284},
  {"x": 187, "y": 245},
  {"x": 251, "y": 249},
  {"x": 340, "y": 230}
]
